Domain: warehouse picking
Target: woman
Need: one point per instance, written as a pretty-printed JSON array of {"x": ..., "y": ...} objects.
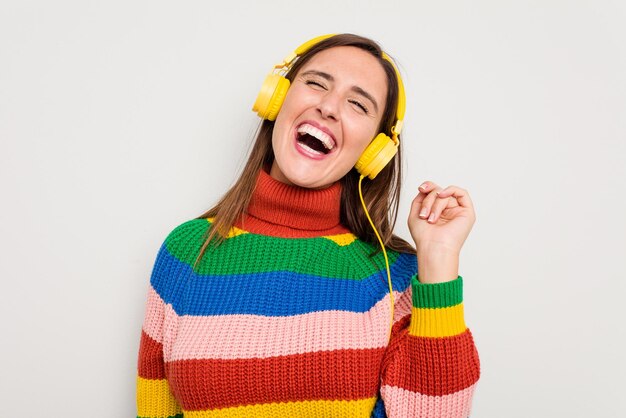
[{"x": 276, "y": 301}]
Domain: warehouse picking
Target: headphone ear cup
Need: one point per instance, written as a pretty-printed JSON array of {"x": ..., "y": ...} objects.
[
  {"x": 376, "y": 156},
  {"x": 271, "y": 96}
]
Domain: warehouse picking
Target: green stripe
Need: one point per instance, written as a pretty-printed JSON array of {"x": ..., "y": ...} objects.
[
  {"x": 252, "y": 253},
  {"x": 437, "y": 295}
]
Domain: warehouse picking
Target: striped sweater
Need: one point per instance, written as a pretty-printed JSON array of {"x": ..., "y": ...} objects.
[{"x": 289, "y": 317}]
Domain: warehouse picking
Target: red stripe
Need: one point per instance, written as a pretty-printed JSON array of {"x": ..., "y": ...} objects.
[
  {"x": 150, "y": 364},
  {"x": 432, "y": 366},
  {"x": 338, "y": 374}
]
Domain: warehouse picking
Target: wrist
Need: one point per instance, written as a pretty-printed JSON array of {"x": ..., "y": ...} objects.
[
  {"x": 437, "y": 249},
  {"x": 437, "y": 266}
]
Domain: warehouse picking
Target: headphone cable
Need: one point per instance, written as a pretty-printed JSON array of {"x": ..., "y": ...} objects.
[{"x": 382, "y": 246}]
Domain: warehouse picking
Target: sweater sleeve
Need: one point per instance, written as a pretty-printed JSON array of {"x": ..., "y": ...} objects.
[
  {"x": 154, "y": 398},
  {"x": 431, "y": 365}
]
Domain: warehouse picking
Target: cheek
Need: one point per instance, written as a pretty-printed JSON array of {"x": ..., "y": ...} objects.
[
  {"x": 364, "y": 136},
  {"x": 282, "y": 125},
  {"x": 295, "y": 100},
  {"x": 357, "y": 146},
  {"x": 287, "y": 115}
]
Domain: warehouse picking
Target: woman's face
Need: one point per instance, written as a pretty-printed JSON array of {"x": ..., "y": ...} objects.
[{"x": 330, "y": 114}]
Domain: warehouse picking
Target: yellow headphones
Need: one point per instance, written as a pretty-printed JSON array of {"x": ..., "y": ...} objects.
[
  {"x": 378, "y": 153},
  {"x": 376, "y": 156}
]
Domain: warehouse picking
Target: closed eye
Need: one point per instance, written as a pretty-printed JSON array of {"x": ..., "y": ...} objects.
[
  {"x": 360, "y": 105},
  {"x": 315, "y": 83}
]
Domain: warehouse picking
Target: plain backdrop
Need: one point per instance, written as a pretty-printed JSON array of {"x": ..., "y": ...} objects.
[{"x": 121, "y": 119}]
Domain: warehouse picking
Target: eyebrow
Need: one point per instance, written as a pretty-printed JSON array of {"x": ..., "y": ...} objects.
[{"x": 355, "y": 89}]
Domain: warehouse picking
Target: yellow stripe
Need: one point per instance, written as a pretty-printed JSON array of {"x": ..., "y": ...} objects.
[
  {"x": 154, "y": 399},
  {"x": 341, "y": 239},
  {"x": 358, "y": 408},
  {"x": 437, "y": 322},
  {"x": 234, "y": 231}
]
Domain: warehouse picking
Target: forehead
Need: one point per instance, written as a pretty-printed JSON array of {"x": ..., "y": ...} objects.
[{"x": 351, "y": 66}]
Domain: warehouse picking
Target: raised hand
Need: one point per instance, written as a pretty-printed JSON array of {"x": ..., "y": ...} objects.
[{"x": 440, "y": 221}]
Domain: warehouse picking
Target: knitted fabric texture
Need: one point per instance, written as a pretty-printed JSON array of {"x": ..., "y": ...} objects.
[{"x": 289, "y": 318}]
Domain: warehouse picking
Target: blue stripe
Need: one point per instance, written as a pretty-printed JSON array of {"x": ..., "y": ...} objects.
[
  {"x": 277, "y": 293},
  {"x": 379, "y": 409}
]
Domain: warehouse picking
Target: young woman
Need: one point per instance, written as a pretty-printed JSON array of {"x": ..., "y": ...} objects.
[{"x": 278, "y": 301}]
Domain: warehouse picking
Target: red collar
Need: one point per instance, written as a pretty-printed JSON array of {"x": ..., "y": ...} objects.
[{"x": 283, "y": 210}]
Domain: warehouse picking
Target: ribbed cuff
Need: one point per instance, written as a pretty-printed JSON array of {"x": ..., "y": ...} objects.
[
  {"x": 437, "y": 309},
  {"x": 437, "y": 295}
]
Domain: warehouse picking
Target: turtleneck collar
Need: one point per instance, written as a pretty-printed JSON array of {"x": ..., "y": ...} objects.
[{"x": 280, "y": 209}]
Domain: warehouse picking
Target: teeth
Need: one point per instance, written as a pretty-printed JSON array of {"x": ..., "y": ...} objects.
[
  {"x": 317, "y": 133},
  {"x": 311, "y": 150}
]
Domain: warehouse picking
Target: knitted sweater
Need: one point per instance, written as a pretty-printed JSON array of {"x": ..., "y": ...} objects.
[{"x": 289, "y": 317}]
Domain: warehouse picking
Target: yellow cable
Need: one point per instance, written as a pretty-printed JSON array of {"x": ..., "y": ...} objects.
[{"x": 384, "y": 253}]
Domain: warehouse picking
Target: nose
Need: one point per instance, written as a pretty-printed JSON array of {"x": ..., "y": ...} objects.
[{"x": 329, "y": 106}]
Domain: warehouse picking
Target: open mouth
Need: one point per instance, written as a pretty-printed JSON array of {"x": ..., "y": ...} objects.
[{"x": 314, "y": 139}]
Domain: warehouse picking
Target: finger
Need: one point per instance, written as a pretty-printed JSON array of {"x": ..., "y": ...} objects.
[
  {"x": 455, "y": 211},
  {"x": 461, "y": 195},
  {"x": 422, "y": 204},
  {"x": 441, "y": 204},
  {"x": 427, "y": 186},
  {"x": 438, "y": 206},
  {"x": 424, "y": 189}
]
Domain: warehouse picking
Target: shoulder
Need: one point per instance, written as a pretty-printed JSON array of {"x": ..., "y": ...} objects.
[
  {"x": 176, "y": 257},
  {"x": 188, "y": 230},
  {"x": 184, "y": 241}
]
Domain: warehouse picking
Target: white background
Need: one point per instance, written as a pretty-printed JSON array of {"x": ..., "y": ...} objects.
[{"x": 121, "y": 119}]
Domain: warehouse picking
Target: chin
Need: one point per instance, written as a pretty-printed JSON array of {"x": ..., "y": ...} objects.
[
  {"x": 309, "y": 178},
  {"x": 304, "y": 174},
  {"x": 310, "y": 183}
]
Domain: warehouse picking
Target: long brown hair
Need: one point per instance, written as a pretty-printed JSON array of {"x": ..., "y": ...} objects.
[{"x": 381, "y": 194}]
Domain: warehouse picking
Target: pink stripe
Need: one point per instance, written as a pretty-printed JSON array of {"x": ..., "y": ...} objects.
[
  {"x": 154, "y": 316},
  {"x": 256, "y": 336},
  {"x": 400, "y": 402},
  {"x": 403, "y": 304}
]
